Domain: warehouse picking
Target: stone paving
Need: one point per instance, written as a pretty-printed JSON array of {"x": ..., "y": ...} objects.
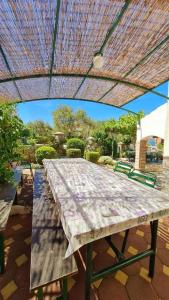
[{"x": 131, "y": 283}]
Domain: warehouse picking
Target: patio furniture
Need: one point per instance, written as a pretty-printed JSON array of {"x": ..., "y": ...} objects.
[
  {"x": 49, "y": 242},
  {"x": 143, "y": 177},
  {"x": 96, "y": 203},
  {"x": 27, "y": 165},
  {"x": 146, "y": 178},
  {"x": 123, "y": 167},
  {"x": 8, "y": 195}
]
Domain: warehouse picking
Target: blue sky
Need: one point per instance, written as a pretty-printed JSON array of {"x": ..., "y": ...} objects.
[{"x": 42, "y": 110}]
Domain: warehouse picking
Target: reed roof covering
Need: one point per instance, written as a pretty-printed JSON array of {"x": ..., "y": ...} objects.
[{"x": 47, "y": 49}]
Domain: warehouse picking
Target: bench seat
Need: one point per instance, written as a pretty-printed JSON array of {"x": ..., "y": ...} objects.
[
  {"x": 123, "y": 167},
  {"x": 49, "y": 242},
  {"x": 146, "y": 178}
]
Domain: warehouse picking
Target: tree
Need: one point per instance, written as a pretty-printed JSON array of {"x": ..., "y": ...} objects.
[
  {"x": 127, "y": 126},
  {"x": 72, "y": 124},
  {"x": 40, "y": 130},
  {"x": 64, "y": 120},
  {"x": 10, "y": 131}
]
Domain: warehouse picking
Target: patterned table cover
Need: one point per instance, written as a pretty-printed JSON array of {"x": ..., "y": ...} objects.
[{"x": 95, "y": 202}]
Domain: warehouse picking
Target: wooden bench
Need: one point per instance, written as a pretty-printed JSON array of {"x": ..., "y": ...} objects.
[
  {"x": 8, "y": 195},
  {"x": 123, "y": 167},
  {"x": 49, "y": 242},
  {"x": 146, "y": 178}
]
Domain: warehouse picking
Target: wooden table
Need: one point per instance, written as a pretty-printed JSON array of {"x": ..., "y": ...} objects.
[
  {"x": 95, "y": 203},
  {"x": 7, "y": 197}
]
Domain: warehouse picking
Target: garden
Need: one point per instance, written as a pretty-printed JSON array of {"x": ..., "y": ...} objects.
[{"x": 74, "y": 134}]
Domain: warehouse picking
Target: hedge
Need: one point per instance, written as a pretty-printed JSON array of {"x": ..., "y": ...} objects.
[
  {"x": 45, "y": 152},
  {"x": 92, "y": 156},
  {"x": 76, "y": 143},
  {"x": 73, "y": 153}
]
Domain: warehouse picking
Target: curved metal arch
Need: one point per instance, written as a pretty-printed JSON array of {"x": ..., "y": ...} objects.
[
  {"x": 131, "y": 84},
  {"x": 78, "y": 99}
]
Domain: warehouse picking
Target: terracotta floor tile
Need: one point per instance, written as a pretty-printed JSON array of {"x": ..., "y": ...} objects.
[
  {"x": 135, "y": 288},
  {"x": 111, "y": 289},
  {"x": 140, "y": 289}
]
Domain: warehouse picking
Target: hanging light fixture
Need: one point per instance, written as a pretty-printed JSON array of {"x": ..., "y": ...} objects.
[{"x": 98, "y": 60}]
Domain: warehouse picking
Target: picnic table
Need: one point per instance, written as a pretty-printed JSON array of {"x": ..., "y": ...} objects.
[{"x": 95, "y": 203}]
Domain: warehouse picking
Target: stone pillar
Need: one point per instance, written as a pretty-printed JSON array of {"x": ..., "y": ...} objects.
[
  {"x": 166, "y": 139},
  {"x": 140, "y": 159},
  {"x": 140, "y": 149}
]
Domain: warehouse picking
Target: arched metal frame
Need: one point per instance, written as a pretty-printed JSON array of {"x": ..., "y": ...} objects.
[
  {"x": 131, "y": 84},
  {"x": 111, "y": 29}
]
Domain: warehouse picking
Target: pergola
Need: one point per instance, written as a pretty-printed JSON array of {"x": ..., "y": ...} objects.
[{"x": 47, "y": 49}]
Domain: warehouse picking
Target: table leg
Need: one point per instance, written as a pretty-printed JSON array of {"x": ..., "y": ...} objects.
[
  {"x": 40, "y": 293},
  {"x": 64, "y": 281},
  {"x": 125, "y": 241},
  {"x": 154, "y": 228},
  {"x": 2, "y": 262},
  {"x": 89, "y": 270}
]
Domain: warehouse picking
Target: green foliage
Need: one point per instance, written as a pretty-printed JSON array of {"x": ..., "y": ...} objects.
[
  {"x": 45, "y": 152},
  {"x": 40, "y": 131},
  {"x": 103, "y": 141},
  {"x": 92, "y": 156},
  {"x": 76, "y": 143},
  {"x": 10, "y": 131},
  {"x": 73, "y": 153},
  {"x": 127, "y": 126},
  {"x": 72, "y": 124},
  {"x": 106, "y": 160},
  {"x": 27, "y": 153}
]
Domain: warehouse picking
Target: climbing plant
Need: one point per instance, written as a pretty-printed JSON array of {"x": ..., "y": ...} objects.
[{"x": 10, "y": 131}]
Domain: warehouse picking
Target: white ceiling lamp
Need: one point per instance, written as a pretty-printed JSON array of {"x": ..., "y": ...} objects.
[{"x": 98, "y": 60}]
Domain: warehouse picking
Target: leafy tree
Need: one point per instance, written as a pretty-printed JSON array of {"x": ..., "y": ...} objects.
[
  {"x": 127, "y": 126},
  {"x": 72, "y": 124},
  {"x": 10, "y": 131},
  {"x": 64, "y": 120},
  {"x": 40, "y": 131}
]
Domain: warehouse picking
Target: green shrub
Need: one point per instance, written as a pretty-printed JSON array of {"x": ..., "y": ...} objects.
[
  {"x": 73, "y": 153},
  {"x": 92, "y": 156},
  {"x": 106, "y": 160},
  {"x": 45, "y": 152},
  {"x": 76, "y": 143},
  {"x": 26, "y": 153}
]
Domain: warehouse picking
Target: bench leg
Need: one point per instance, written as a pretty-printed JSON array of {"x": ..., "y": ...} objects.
[
  {"x": 154, "y": 228},
  {"x": 2, "y": 258},
  {"x": 40, "y": 293},
  {"x": 89, "y": 271}
]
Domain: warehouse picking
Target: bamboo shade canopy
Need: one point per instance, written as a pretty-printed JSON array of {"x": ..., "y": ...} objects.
[{"x": 47, "y": 49}]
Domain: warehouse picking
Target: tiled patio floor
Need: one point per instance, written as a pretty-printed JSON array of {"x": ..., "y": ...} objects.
[{"x": 130, "y": 283}]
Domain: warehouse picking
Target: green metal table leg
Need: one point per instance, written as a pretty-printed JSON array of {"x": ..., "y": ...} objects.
[
  {"x": 154, "y": 228},
  {"x": 40, "y": 293},
  {"x": 64, "y": 281},
  {"x": 89, "y": 270},
  {"x": 2, "y": 258},
  {"x": 125, "y": 241}
]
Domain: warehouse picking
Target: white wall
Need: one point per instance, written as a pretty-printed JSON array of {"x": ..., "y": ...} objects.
[{"x": 153, "y": 124}]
